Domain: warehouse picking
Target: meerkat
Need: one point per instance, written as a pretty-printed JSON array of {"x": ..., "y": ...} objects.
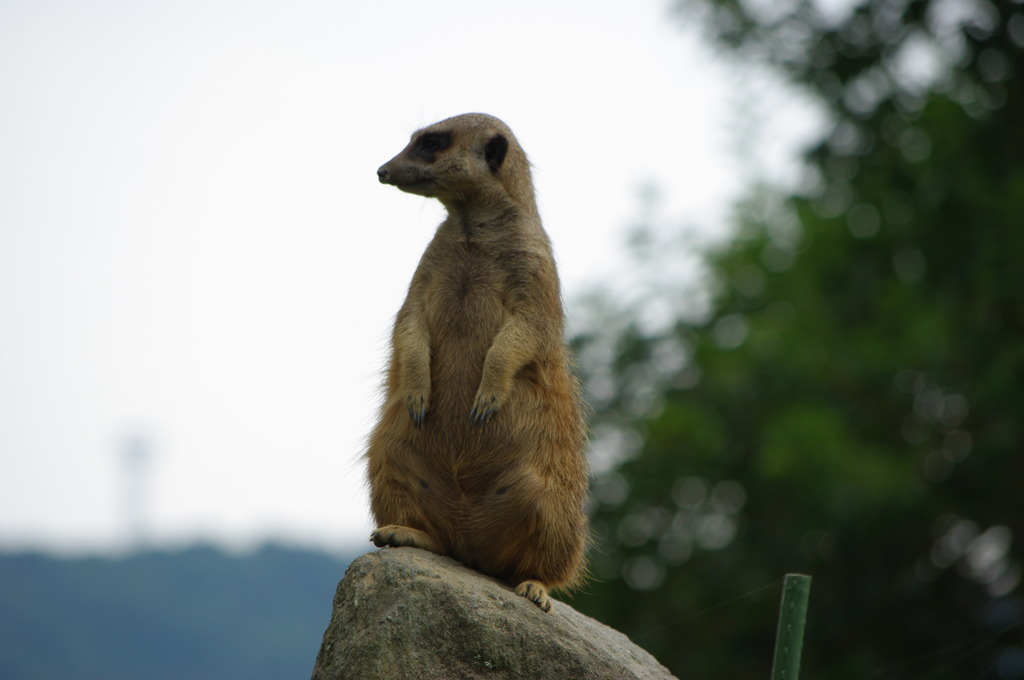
[{"x": 479, "y": 451}]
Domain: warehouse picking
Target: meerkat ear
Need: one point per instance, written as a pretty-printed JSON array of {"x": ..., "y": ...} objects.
[{"x": 494, "y": 152}]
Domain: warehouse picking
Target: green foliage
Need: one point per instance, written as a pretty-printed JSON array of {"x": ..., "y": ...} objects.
[{"x": 853, "y": 405}]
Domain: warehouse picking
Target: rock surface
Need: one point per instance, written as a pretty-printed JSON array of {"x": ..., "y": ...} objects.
[{"x": 409, "y": 614}]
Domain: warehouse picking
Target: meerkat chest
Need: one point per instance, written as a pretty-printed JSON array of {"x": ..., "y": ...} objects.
[{"x": 468, "y": 293}]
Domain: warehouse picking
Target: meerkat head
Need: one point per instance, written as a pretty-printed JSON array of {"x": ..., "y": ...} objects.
[{"x": 466, "y": 158}]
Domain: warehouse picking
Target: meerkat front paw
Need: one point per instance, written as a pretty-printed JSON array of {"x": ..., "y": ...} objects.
[
  {"x": 484, "y": 406},
  {"x": 417, "y": 405},
  {"x": 535, "y": 592}
]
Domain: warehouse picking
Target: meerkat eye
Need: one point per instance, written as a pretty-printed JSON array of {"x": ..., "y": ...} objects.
[{"x": 433, "y": 142}]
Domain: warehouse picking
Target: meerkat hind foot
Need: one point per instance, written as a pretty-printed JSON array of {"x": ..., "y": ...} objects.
[
  {"x": 395, "y": 536},
  {"x": 536, "y": 592}
]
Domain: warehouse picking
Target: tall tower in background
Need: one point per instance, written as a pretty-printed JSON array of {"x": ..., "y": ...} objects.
[{"x": 136, "y": 465}]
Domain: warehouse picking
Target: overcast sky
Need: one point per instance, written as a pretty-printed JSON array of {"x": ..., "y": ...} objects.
[{"x": 196, "y": 255}]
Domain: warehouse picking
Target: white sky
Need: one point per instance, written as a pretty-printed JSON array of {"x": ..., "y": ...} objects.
[{"x": 194, "y": 248}]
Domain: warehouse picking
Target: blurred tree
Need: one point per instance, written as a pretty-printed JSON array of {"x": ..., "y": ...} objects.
[{"x": 851, "y": 402}]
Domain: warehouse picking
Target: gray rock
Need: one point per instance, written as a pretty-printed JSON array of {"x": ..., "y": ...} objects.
[{"x": 409, "y": 614}]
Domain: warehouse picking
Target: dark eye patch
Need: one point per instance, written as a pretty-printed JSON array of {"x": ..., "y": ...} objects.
[
  {"x": 431, "y": 143},
  {"x": 494, "y": 152}
]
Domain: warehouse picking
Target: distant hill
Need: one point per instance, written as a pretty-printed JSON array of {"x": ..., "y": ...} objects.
[{"x": 193, "y": 614}]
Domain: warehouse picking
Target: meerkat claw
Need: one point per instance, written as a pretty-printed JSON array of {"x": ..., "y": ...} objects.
[
  {"x": 483, "y": 409},
  {"x": 418, "y": 416},
  {"x": 535, "y": 592},
  {"x": 417, "y": 407},
  {"x": 479, "y": 417}
]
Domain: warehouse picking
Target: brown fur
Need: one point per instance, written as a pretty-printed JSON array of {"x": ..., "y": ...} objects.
[{"x": 479, "y": 452}]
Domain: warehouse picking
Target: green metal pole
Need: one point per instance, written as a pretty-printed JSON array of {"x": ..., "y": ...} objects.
[{"x": 789, "y": 638}]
